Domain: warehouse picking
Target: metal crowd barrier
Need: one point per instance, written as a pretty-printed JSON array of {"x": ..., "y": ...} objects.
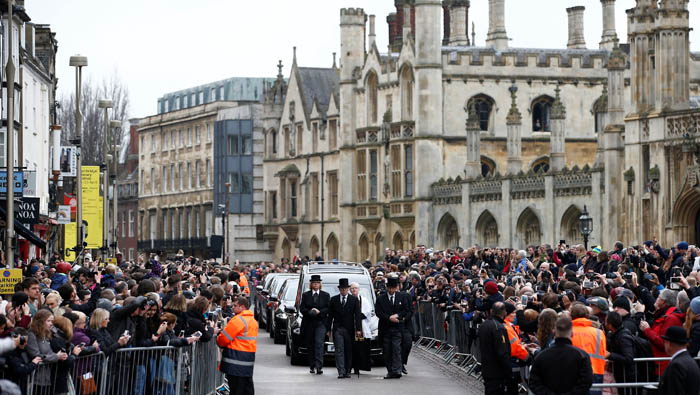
[
  {"x": 205, "y": 377},
  {"x": 642, "y": 373},
  {"x": 137, "y": 370}
]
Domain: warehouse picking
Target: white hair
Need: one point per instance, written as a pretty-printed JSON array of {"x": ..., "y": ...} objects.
[
  {"x": 354, "y": 285},
  {"x": 522, "y": 253}
]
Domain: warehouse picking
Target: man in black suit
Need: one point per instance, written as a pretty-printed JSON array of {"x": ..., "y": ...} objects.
[
  {"x": 345, "y": 321},
  {"x": 392, "y": 309},
  {"x": 314, "y": 310},
  {"x": 682, "y": 375}
]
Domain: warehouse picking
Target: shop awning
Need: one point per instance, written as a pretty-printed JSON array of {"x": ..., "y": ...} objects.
[{"x": 21, "y": 230}]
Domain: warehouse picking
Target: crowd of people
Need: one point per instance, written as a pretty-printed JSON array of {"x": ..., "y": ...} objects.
[{"x": 62, "y": 311}]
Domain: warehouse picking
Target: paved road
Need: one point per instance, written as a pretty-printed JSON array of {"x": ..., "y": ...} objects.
[{"x": 275, "y": 375}]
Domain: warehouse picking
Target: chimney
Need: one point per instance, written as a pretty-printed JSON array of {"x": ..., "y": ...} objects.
[
  {"x": 394, "y": 33},
  {"x": 458, "y": 20},
  {"x": 29, "y": 38},
  {"x": 372, "y": 35},
  {"x": 609, "y": 37},
  {"x": 497, "y": 37},
  {"x": 576, "y": 39},
  {"x": 446, "y": 29}
]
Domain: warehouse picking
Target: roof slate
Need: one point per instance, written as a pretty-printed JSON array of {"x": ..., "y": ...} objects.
[{"x": 317, "y": 84}]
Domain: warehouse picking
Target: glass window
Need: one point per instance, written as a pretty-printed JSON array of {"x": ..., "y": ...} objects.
[
  {"x": 273, "y": 203},
  {"x": 182, "y": 137},
  {"x": 208, "y": 168},
  {"x": 132, "y": 222},
  {"x": 408, "y": 174},
  {"x": 153, "y": 180},
  {"x": 197, "y": 173},
  {"x": 179, "y": 175},
  {"x": 173, "y": 176},
  {"x": 246, "y": 183},
  {"x": 234, "y": 180},
  {"x": 173, "y": 140},
  {"x": 165, "y": 179},
  {"x": 212, "y": 95},
  {"x": 189, "y": 175},
  {"x": 201, "y": 97},
  {"x": 373, "y": 175},
  {"x": 361, "y": 175},
  {"x": 233, "y": 145},
  {"x": 541, "y": 111},
  {"x": 221, "y": 93},
  {"x": 333, "y": 190},
  {"x": 247, "y": 145},
  {"x": 198, "y": 135},
  {"x": 333, "y": 134},
  {"x": 274, "y": 141},
  {"x": 293, "y": 197}
]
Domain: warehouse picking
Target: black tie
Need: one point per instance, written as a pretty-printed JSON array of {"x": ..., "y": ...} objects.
[
  {"x": 315, "y": 298},
  {"x": 392, "y": 300},
  {"x": 343, "y": 302}
]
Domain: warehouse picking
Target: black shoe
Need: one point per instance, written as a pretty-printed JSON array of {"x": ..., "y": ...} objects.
[
  {"x": 403, "y": 370},
  {"x": 346, "y": 376},
  {"x": 343, "y": 376},
  {"x": 319, "y": 371},
  {"x": 392, "y": 376},
  {"x": 312, "y": 370}
]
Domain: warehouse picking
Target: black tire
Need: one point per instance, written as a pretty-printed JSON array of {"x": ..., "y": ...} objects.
[
  {"x": 278, "y": 337},
  {"x": 269, "y": 323},
  {"x": 261, "y": 324},
  {"x": 287, "y": 350},
  {"x": 296, "y": 359},
  {"x": 271, "y": 327}
]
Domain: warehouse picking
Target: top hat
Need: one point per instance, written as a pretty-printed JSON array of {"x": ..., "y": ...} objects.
[
  {"x": 343, "y": 283},
  {"x": 392, "y": 282},
  {"x": 315, "y": 278},
  {"x": 675, "y": 334}
]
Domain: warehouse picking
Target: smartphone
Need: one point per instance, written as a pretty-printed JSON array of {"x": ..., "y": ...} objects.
[
  {"x": 197, "y": 334},
  {"x": 182, "y": 333},
  {"x": 81, "y": 345},
  {"x": 126, "y": 333}
]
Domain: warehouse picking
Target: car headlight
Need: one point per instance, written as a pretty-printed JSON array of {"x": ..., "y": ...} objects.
[
  {"x": 282, "y": 315},
  {"x": 296, "y": 331}
]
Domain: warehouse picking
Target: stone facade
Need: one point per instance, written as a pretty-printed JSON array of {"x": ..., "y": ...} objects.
[
  {"x": 543, "y": 132},
  {"x": 128, "y": 194}
]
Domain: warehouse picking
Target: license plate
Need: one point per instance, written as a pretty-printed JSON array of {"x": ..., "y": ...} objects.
[{"x": 331, "y": 348}]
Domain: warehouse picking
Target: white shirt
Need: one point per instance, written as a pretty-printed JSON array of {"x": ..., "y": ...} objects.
[{"x": 678, "y": 352}]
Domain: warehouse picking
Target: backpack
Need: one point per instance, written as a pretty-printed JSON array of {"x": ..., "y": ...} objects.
[{"x": 645, "y": 371}]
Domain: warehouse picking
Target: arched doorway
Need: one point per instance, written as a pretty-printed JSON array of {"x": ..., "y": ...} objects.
[
  {"x": 398, "y": 241},
  {"x": 314, "y": 246},
  {"x": 528, "y": 229},
  {"x": 286, "y": 249},
  {"x": 332, "y": 245},
  {"x": 378, "y": 248},
  {"x": 487, "y": 230},
  {"x": 686, "y": 216},
  {"x": 570, "y": 226},
  {"x": 364, "y": 248},
  {"x": 448, "y": 232}
]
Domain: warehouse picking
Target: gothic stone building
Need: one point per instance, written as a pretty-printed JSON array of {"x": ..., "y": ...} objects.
[{"x": 444, "y": 143}]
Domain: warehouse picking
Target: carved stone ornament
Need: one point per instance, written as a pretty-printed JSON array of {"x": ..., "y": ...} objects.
[
  {"x": 693, "y": 176},
  {"x": 473, "y": 118},
  {"x": 629, "y": 175},
  {"x": 514, "y": 117},
  {"x": 558, "y": 109},
  {"x": 617, "y": 60}
]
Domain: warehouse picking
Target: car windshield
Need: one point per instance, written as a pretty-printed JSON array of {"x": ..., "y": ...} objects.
[
  {"x": 277, "y": 284},
  {"x": 290, "y": 292},
  {"x": 329, "y": 283}
]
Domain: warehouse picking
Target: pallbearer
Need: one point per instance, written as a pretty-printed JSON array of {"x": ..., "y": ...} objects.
[
  {"x": 314, "y": 309},
  {"x": 393, "y": 309},
  {"x": 345, "y": 323}
]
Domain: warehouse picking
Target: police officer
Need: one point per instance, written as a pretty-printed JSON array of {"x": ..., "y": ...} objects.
[
  {"x": 392, "y": 309},
  {"x": 495, "y": 351},
  {"x": 345, "y": 322},
  {"x": 239, "y": 346},
  {"x": 314, "y": 310}
]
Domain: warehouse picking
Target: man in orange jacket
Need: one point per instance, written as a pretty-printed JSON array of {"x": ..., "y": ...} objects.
[
  {"x": 518, "y": 352},
  {"x": 589, "y": 339},
  {"x": 238, "y": 348},
  {"x": 243, "y": 281}
]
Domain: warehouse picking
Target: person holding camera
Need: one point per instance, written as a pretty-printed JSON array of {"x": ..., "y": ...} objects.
[
  {"x": 19, "y": 363},
  {"x": 666, "y": 315}
]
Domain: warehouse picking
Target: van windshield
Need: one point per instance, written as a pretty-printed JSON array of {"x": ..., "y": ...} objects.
[{"x": 329, "y": 283}]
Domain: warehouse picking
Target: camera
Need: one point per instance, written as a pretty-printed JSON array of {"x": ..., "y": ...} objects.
[
  {"x": 588, "y": 284},
  {"x": 590, "y": 276},
  {"x": 627, "y": 276},
  {"x": 612, "y": 275}
]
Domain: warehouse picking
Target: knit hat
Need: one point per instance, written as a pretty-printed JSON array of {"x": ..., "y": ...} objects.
[
  {"x": 63, "y": 267},
  {"x": 683, "y": 245},
  {"x": 103, "y": 303},
  {"x": 624, "y": 303},
  {"x": 695, "y": 305},
  {"x": 596, "y": 249},
  {"x": 491, "y": 288},
  {"x": 599, "y": 302}
]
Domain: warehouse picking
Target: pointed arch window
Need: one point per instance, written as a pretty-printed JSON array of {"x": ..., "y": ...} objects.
[
  {"x": 371, "y": 98},
  {"x": 407, "y": 84},
  {"x": 484, "y": 108},
  {"x": 541, "y": 113}
]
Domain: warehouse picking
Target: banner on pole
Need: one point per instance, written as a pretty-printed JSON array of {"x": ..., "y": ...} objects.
[{"x": 92, "y": 213}]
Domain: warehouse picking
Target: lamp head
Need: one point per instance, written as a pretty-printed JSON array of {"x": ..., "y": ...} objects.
[
  {"x": 104, "y": 104},
  {"x": 78, "y": 61},
  {"x": 115, "y": 124}
]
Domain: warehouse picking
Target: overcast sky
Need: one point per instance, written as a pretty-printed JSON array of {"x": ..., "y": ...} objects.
[{"x": 160, "y": 46}]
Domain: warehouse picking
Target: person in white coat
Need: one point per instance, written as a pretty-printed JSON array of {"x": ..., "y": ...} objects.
[{"x": 361, "y": 358}]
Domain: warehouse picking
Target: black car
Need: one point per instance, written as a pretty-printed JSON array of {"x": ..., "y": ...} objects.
[
  {"x": 261, "y": 294},
  {"x": 285, "y": 298},
  {"x": 330, "y": 274},
  {"x": 270, "y": 300}
]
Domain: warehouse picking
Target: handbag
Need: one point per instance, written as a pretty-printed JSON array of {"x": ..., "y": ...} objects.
[
  {"x": 166, "y": 370},
  {"x": 87, "y": 384}
]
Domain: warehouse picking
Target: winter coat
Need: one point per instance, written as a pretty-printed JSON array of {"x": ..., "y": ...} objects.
[
  {"x": 82, "y": 335},
  {"x": 19, "y": 366},
  {"x": 621, "y": 347},
  {"x": 663, "y": 320},
  {"x": 197, "y": 322},
  {"x": 108, "y": 344},
  {"x": 561, "y": 369},
  {"x": 694, "y": 345}
]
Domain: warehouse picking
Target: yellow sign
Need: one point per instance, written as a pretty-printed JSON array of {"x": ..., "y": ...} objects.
[
  {"x": 112, "y": 261},
  {"x": 8, "y": 279},
  {"x": 92, "y": 213}
]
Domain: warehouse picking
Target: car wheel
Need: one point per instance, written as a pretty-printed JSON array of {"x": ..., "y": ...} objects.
[
  {"x": 295, "y": 359},
  {"x": 272, "y": 328},
  {"x": 261, "y": 324},
  {"x": 277, "y": 338},
  {"x": 287, "y": 350},
  {"x": 269, "y": 323}
]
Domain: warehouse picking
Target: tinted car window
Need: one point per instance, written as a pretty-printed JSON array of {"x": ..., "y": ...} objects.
[
  {"x": 290, "y": 292},
  {"x": 277, "y": 284}
]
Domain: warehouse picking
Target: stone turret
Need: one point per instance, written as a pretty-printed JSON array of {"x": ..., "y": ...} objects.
[
  {"x": 514, "y": 125},
  {"x": 576, "y": 37},
  {"x": 641, "y": 38},
  {"x": 459, "y": 19},
  {"x": 497, "y": 36},
  {"x": 472, "y": 168},
  {"x": 557, "y": 138},
  {"x": 671, "y": 53}
]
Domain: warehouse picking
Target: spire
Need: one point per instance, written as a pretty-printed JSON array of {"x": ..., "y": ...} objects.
[
  {"x": 514, "y": 117},
  {"x": 334, "y": 65},
  {"x": 279, "y": 72},
  {"x": 294, "y": 59},
  {"x": 473, "y": 35},
  {"x": 558, "y": 109}
]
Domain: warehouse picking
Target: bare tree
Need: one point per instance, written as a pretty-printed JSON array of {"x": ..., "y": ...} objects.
[{"x": 93, "y": 117}]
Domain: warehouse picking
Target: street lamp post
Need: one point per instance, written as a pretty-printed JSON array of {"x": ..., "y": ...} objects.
[
  {"x": 222, "y": 207},
  {"x": 106, "y": 105},
  {"x": 115, "y": 126},
  {"x": 10, "y": 146},
  {"x": 78, "y": 62},
  {"x": 585, "y": 226},
  {"x": 226, "y": 208}
]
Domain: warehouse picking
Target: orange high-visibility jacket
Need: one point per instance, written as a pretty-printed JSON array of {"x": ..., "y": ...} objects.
[
  {"x": 239, "y": 346},
  {"x": 591, "y": 340},
  {"x": 243, "y": 283},
  {"x": 517, "y": 350}
]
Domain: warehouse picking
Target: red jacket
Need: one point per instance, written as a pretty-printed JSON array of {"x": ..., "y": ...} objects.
[{"x": 671, "y": 317}]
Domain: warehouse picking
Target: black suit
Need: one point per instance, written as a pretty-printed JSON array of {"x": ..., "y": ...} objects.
[
  {"x": 391, "y": 333},
  {"x": 682, "y": 376},
  {"x": 344, "y": 320},
  {"x": 313, "y": 326}
]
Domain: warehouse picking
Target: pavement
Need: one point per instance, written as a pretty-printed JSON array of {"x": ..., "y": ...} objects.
[{"x": 275, "y": 375}]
